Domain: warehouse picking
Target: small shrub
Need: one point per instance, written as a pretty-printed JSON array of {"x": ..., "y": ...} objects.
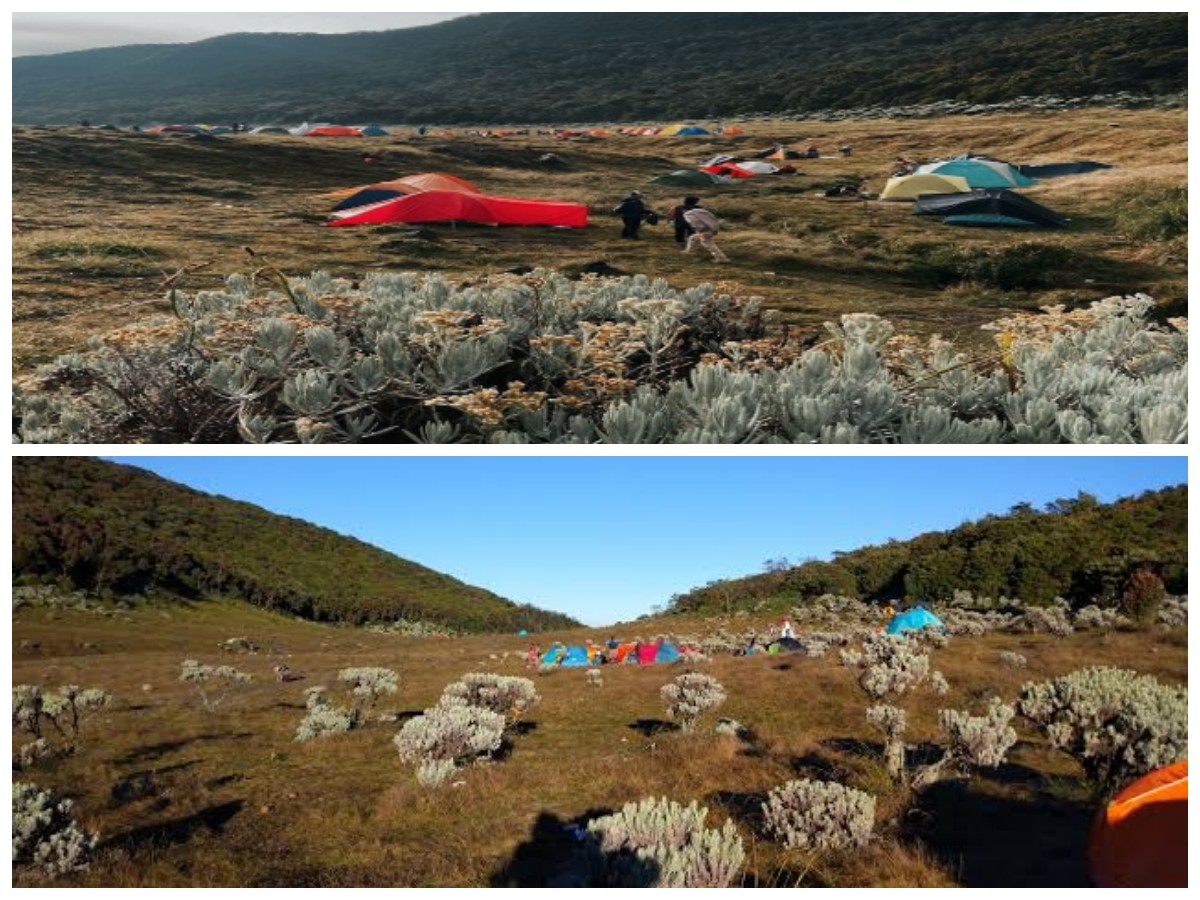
[
  {"x": 507, "y": 695},
  {"x": 323, "y": 718},
  {"x": 1097, "y": 618},
  {"x": 1148, "y": 212},
  {"x": 661, "y": 843},
  {"x": 213, "y": 683},
  {"x": 1142, "y": 596},
  {"x": 446, "y": 737},
  {"x": 368, "y": 684},
  {"x": 1013, "y": 660},
  {"x": 691, "y": 695},
  {"x": 819, "y": 815},
  {"x": 34, "y": 711},
  {"x": 1117, "y": 724},
  {"x": 1053, "y": 619},
  {"x": 731, "y": 728},
  {"x": 45, "y": 837},
  {"x": 892, "y": 721},
  {"x": 595, "y": 678},
  {"x": 972, "y": 742},
  {"x": 1173, "y": 612}
]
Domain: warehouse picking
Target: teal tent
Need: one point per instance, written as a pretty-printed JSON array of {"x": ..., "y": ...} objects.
[
  {"x": 689, "y": 178},
  {"x": 373, "y": 131},
  {"x": 914, "y": 620},
  {"x": 692, "y": 129},
  {"x": 979, "y": 173},
  {"x": 553, "y": 655}
]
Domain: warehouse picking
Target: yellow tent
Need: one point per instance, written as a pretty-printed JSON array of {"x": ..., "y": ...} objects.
[
  {"x": 672, "y": 130},
  {"x": 910, "y": 187}
]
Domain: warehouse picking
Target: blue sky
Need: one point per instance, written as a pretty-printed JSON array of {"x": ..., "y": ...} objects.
[{"x": 606, "y": 538}]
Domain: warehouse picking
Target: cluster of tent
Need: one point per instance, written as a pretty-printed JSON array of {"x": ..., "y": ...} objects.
[
  {"x": 325, "y": 129},
  {"x": 979, "y": 191},
  {"x": 679, "y": 129},
  {"x": 726, "y": 169},
  {"x": 661, "y": 652},
  {"x": 437, "y": 197}
]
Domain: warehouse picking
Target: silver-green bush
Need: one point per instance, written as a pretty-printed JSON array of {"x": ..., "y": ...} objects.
[
  {"x": 691, "y": 695},
  {"x": 35, "y": 711},
  {"x": 971, "y": 742},
  {"x": 818, "y": 815},
  {"x": 661, "y": 843},
  {"x": 543, "y": 359},
  {"x": 45, "y": 837},
  {"x": 213, "y": 683},
  {"x": 1116, "y": 723},
  {"x": 507, "y": 695},
  {"x": 446, "y": 737}
]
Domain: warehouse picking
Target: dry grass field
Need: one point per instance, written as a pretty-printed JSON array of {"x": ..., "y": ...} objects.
[
  {"x": 183, "y": 796},
  {"x": 101, "y": 217}
]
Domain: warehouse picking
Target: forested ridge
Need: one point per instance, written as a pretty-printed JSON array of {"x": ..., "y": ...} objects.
[
  {"x": 117, "y": 530},
  {"x": 563, "y": 67},
  {"x": 1076, "y": 548}
]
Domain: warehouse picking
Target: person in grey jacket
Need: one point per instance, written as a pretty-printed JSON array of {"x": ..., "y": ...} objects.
[{"x": 704, "y": 227}]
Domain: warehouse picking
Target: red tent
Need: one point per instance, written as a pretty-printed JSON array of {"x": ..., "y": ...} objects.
[
  {"x": 646, "y": 654},
  {"x": 729, "y": 170},
  {"x": 454, "y": 206},
  {"x": 334, "y": 131}
]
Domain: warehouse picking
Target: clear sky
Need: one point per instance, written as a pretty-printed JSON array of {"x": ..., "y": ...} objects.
[
  {"x": 606, "y": 538},
  {"x": 59, "y": 32}
]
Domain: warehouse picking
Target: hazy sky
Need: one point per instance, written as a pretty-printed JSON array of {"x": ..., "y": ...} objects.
[
  {"x": 58, "y": 32},
  {"x": 606, "y": 538}
]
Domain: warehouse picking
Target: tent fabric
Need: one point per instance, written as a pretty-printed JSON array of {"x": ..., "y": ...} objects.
[
  {"x": 455, "y": 206},
  {"x": 373, "y": 131},
  {"x": 1140, "y": 839},
  {"x": 175, "y": 129},
  {"x": 910, "y": 187},
  {"x": 576, "y": 657},
  {"x": 990, "y": 203},
  {"x": 733, "y": 129},
  {"x": 667, "y": 653},
  {"x": 623, "y": 651},
  {"x": 914, "y": 620},
  {"x": 1059, "y": 170},
  {"x": 646, "y": 654},
  {"x": 688, "y": 178},
  {"x": 758, "y": 167},
  {"x": 411, "y": 184},
  {"x": 553, "y": 655},
  {"x": 979, "y": 173},
  {"x": 269, "y": 129},
  {"x": 988, "y": 220},
  {"x": 681, "y": 129},
  {"x": 333, "y": 131},
  {"x": 721, "y": 158},
  {"x": 728, "y": 170}
]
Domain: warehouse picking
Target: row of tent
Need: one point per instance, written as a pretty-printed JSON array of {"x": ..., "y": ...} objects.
[
  {"x": 726, "y": 169},
  {"x": 437, "y": 197},
  {"x": 577, "y": 655},
  {"x": 305, "y": 130}
]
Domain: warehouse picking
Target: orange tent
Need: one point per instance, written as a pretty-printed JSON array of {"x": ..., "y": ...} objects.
[
  {"x": 623, "y": 650},
  {"x": 733, "y": 129},
  {"x": 455, "y": 206},
  {"x": 1140, "y": 839}
]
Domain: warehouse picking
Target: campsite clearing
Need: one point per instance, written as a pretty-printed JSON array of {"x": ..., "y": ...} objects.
[
  {"x": 185, "y": 796},
  {"x": 102, "y": 217}
]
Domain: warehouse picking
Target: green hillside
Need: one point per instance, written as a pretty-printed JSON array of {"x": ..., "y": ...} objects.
[
  {"x": 109, "y": 528},
  {"x": 1076, "y": 548},
  {"x": 557, "y": 67}
]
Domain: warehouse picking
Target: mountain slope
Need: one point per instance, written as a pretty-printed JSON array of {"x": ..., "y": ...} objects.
[
  {"x": 100, "y": 526},
  {"x": 1075, "y": 548},
  {"x": 538, "y": 67}
]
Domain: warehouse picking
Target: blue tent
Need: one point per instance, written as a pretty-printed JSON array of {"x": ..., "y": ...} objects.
[
  {"x": 576, "y": 657},
  {"x": 373, "y": 131},
  {"x": 914, "y": 620},
  {"x": 552, "y": 656},
  {"x": 667, "y": 653},
  {"x": 522, "y": 633},
  {"x": 692, "y": 129}
]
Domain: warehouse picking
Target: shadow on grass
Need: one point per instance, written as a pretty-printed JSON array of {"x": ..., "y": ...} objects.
[
  {"x": 144, "y": 784},
  {"x": 212, "y": 819},
  {"x": 558, "y": 854},
  {"x": 743, "y": 806},
  {"x": 651, "y": 727},
  {"x": 1002, "y": 841},
  {"x": 152, "y": 752}
]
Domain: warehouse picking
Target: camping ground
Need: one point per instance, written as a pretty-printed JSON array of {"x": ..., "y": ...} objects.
[
  {"x": 101, "y": 217},
  {"x": 185, "y": 796}
]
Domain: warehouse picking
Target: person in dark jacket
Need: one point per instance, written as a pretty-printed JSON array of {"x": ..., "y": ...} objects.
[
  {"x": 682, "y": 229},
  {"x": 632, "y": 211}
]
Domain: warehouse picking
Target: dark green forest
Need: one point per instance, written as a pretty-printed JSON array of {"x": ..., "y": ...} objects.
[
  {"x": 1077, "y": 548},
  {"x": 117, "y": 530},
  {"x": 570, "y": 67}
]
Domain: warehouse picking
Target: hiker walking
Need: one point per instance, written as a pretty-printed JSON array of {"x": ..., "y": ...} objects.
[
  {"x": 632, "y": 211},
  {"x": 682, "y": 229},
  {"x": 704, "y": 227}
]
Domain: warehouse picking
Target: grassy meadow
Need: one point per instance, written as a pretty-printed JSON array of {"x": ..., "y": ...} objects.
[
  {"x": 188, "y": 797},
  {"x": 101, "y": 218}
]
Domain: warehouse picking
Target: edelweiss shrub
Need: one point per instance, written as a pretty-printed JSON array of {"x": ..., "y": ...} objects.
[
  {"x": 36, "y": 711},
  {"x": 507, "y": 695},
  {"x": 818, "y": 815},
  {"x": 971, "y": 742},
  {"x": 1013, "y": 660},
  {"x": 1054, "y": 619},
  {"x": 1116, "y": 723},
  {"x": 1173, "y": 612},
  {"x": 1098, "y": 618},
  {"x": 446, "y": 737},
  {"x": 595, "y": 678},
  {"x": 323, "y": 718},
  {"x": 213, "y": 683},
  {"x": 543, "y": 359},
  {"x": 661, "y": 843},
  {"x": 368, "y": 684},
  {"x": 691, "y": 695},
  {"x": 45, "y": 837}
]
